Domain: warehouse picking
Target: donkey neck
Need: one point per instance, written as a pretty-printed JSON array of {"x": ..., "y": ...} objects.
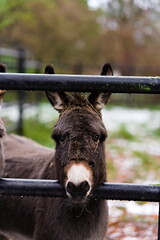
[{"x": 86, "y": 222}]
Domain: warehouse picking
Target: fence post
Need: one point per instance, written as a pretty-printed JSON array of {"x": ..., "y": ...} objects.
[{"x": 21, "y": 94}]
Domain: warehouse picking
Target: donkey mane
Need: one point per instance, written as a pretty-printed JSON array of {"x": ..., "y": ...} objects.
[{"x": 78, "y": 100}]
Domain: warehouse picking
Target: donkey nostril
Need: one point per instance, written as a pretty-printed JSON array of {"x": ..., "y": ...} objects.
[
  {"x": 71, "y": 188},
  {"x": 84, "y": 186}
]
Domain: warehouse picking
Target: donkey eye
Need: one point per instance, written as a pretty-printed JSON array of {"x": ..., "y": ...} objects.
[
  {"x": 96, "y": 137},
  {"x": 103, "y": 138},
  {"x": 91, "y": 163},
  {"x": 62, "y": 138}
]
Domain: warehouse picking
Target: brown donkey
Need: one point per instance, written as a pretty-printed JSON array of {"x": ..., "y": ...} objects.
[
  {"x": 78, "y": 163},
  {"x": 2, "y": 128}
]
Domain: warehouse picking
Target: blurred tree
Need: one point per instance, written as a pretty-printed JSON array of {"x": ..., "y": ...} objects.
[
  {"x": 131, "y": 33},
  {"x": 123, "y": 32},
  {"x": 63, "y": 30},
  {"x": 9, "y": 12}
]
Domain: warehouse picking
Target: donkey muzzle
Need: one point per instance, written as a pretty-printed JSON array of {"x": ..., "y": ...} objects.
[{"x": 79, "y": 180}]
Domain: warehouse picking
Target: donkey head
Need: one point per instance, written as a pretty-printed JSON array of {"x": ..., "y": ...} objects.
[{"x": 79, "y": 135}]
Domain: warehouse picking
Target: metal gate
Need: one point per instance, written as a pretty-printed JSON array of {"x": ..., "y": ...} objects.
[{"x": 81, "y": 83}]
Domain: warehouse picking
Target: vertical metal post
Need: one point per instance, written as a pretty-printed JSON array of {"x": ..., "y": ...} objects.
[
  {"x": 21, "y": 94},
  {"x": 38, "y": 96},
  {"x": 159, "y": 223}
]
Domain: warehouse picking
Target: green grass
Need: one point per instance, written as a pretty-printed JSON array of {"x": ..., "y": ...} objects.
[
  {"x": 156, "y": 132},
  {"x": 123, "y": 132},
  {"x": 39, "y": 132},
  {"x": 146, "y": 159},
  {"x": 111, "y": 170},
  {"x": 148, "y": 164},
  {"x": 116, "y": 148}
]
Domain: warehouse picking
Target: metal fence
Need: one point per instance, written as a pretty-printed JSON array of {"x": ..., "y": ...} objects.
[
  {"x": 19, "y": 60},
  {"x": 83, "y": 83}
]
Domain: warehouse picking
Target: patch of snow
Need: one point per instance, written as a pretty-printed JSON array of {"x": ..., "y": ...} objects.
[
  {"x": 139, "y": 122},
  {"x": 142, "y": 209},
  {"x": 113, "y": 118},
  {"x": 147, "y": 145},
  {"x": 10, "y": 112},
  {"x": 135, "y": 120},
  {"x": 44, "y": 112},
  {"x": 116, "y": 208}
]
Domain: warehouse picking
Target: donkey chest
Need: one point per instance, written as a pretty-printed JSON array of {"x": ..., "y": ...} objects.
[{"x": 69, "y": 223}]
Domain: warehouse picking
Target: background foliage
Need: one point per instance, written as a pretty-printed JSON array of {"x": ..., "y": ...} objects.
[{"x": 123, "y": 32}]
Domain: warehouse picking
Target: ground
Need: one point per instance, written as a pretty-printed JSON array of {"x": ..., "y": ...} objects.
[{"x": 133, "y": 154}]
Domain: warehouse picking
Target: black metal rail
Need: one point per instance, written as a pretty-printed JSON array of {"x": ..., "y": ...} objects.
[
  {"x": 79, "y": 83},
  {"x": 51, "y": 188}
]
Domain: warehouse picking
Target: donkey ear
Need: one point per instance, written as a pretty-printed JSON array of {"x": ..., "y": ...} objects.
[
  {"x": 58, "y": 100},
  {"x": 99, "y": 100},
  {"x": 107, "y": 70},
  {"x": 49, "y": 69},
  {"x": 2, "y": 69}
]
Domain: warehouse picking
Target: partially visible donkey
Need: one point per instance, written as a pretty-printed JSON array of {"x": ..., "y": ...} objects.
[
  {"x": 2, "y": 128},
  {"x": 78, "y": 163}
]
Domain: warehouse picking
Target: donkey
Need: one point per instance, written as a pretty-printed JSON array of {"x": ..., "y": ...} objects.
[
  {"x": 2, "y": 128},
  {"x": 78, "y": 162}
]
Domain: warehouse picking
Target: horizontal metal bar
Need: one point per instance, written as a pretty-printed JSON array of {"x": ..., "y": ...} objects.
[
  {"x": 79, "y": 83},
  {"x": 51, "y": 188}
]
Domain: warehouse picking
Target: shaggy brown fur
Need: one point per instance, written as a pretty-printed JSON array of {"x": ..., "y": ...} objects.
[
  {"x": 79, "y": 134},
  {"x": 2, "y": 128}
]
